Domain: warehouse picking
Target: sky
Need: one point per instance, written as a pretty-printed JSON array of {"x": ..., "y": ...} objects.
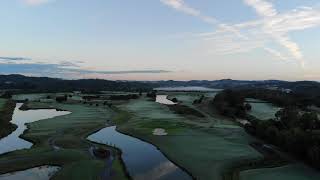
[{"x": 161, "y": 39}]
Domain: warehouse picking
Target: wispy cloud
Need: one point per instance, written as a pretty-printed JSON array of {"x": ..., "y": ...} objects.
[
  {"x": 271, "y": 27},
  {"x": 182, "y": 6},
  {"x": 271, "y": 19},
  {"x": 262, "y": 7}
]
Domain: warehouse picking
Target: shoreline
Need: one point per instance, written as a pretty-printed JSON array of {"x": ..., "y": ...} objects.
[{"x": 6, "y": 114}]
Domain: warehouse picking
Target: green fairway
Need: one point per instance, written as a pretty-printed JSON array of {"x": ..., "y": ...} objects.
[
  {"x": 68, "y": 133},
  {"x": 205, "y": 152},
  {"x": 263, "y": 111},
  {"x": 289, "y": 172},
  {"x": 2, "y": 103}
]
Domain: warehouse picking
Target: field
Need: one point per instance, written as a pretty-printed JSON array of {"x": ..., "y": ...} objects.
[
  {"x": 206, "y": 152},
  {"x": 2, "y": 103},
  {"x": 289, "y": 172},
  {"x": 69, "y": 133},
  {"x": 263, "y": 111},
  {"x": 207, "y": 147}
]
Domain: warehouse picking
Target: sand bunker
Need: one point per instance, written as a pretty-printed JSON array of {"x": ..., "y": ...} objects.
[{"x": 159, "y": 132}]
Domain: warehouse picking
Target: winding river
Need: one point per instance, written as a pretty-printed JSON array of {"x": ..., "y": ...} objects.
[
  {"x": 13, "y": 142},
  {"x": 142, "y": 160}
]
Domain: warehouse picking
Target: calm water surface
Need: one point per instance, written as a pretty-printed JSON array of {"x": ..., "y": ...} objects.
[
  {"x": 187, "y": 88},
  {"x": 143, "y": 160},
  {"x": 38, "y": 173},
  {"x": 162, "y": 99},
  {"x": 20, "y": 118}
]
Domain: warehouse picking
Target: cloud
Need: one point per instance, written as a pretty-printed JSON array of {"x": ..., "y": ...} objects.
[
  {"x": 13, "y": 59},
  {"x": 262, "y": 7},
  {"x": 279, "y": 25},
  {"x": 36, "y": 2},
  {"x": 271, "y": 27},
  {"x": 182, "y": 6},
  {"x": 62, "y": 70}
]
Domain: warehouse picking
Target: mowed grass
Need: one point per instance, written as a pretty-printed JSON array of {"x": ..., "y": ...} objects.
[
  {"x": 263, "y": 111},
  {"x": 289, "y": 172},
  {"x": 2, "y": 103},
  {"x": 31, "y": 97},
  {"x": 68, "y": 132},
  {"x": 205, "y": 152}
]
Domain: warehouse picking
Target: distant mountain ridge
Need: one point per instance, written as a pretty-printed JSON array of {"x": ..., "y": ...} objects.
[{"x": 16, "y": 81}]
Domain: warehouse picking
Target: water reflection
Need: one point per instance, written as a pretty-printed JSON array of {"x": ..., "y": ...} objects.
[
  {"x": 143, "y": 160},
  {"x": 20, "y": 118},
  {"x": 162, "y": 99}
]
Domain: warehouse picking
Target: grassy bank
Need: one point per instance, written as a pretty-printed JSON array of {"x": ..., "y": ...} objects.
[
  {"x": 69, "y": 133},
  {"x": 292, "y": 172},
  {"x": 6, "y": 110},
  {"x": 204, "y": 151}
]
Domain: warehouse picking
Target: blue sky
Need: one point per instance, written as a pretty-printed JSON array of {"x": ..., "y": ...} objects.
[{"x": 161, "y": 39}]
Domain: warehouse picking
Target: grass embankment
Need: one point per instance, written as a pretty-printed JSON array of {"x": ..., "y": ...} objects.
[
  {"x": 69, "y": 133},
  {"x": 185, "y": 110},
  {"x": 290, "y": 172},
  {"x": 6, "y": 110},
  {"x": 271, "y": 158},
  {"x": 203, "y": 151}
]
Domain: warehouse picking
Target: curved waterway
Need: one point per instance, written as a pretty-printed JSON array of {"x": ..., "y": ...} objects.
[
  {"x": 142, "y": 160},
  {"x": 38, "y": 173},
  {"x": 13, "y": 142}
]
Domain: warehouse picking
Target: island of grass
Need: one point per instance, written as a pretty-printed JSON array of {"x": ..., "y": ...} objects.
[
  {"x": 6, "y": 110},
  {"x": 203, "y": 151},
  {"x": 68, "y": 133}
]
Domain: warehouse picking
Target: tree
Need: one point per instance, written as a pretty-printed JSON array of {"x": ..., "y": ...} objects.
[
  {"x": 248, "y": 107},
  {"x": 308, "y": 121},
  {"x": 175, "y": 100},
  {"x": 6, "y": 95},
  {"x": 313, "y": 154},
  {"x": 289, "y": 116}
]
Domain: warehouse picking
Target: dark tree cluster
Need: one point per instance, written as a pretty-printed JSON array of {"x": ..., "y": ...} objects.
[
  {"x": 62, "y": 98},
  {"x": 152, "y": 94},
  {"x": 185, "y": 110},
  {"x": 44, "y": 84},
  {"x": 231, "y": 103},
  {"x": 90, "y": 97},
  {"x": 6, "y": 95},
  {"x": 124, "y": 97},
  {"x": 294, "y": 131},
  {"x": 175, "y": 100},
  {"x": 280, "y": 98},
  {"x": 198, "y": 101}
]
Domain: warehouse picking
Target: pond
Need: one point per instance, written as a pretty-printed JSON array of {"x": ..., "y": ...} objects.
[
  {"x": 20, "y": 118},
  {"x": 162, "y": 99},
  {"x": 38, "y": 173},
  {"x": 142, "y": 160}
]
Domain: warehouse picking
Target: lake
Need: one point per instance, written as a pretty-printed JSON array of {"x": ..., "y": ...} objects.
[{"x": 21, "y": 118}]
